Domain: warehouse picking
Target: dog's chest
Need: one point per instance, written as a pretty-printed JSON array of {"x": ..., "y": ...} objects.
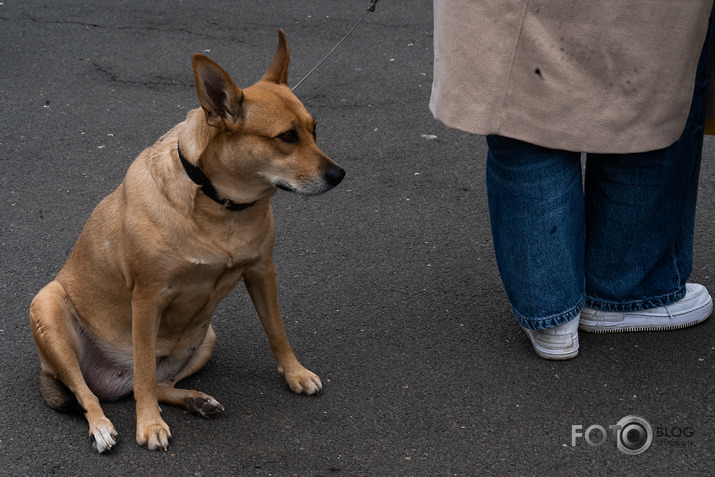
[
  {"x": 223, "y": 249},
  {"x": 193, "y": 295},
  {"x": 213, "y": 264},
  {"x": 208, "y": 277},
  {"x": 208, "y": 263},
  {"x": 217, "y": 265}
]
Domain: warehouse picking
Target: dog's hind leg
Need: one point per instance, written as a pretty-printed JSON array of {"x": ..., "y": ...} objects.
[
  {"x": 59, "y": 347},
  {"x": 195, "y": 401},
  {"x": 57, "y": 395}
]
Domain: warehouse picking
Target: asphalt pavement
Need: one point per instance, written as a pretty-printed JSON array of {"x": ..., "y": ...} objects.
[{"x": 389, "y": 286}]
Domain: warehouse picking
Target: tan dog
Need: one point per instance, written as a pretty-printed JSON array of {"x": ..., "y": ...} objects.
[{"x": 131, "y": 309}]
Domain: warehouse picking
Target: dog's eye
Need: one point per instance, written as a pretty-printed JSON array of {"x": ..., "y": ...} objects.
[{"x": 290, "y": 136}]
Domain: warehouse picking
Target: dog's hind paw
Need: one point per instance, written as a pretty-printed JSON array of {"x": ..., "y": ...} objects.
[
  {"x": 206, "y": 407},
  {"x": 103, "y": 436}
]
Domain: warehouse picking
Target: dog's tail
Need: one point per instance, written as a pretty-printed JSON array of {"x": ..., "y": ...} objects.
[{"x": 57, "y": 395}]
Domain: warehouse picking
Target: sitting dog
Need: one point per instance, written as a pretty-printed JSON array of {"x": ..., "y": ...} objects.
[{"x": 131, "y": 308}]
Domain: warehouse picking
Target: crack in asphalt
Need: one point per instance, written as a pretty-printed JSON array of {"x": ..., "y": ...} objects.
[
  {"x": 149, "y": 28},
  {"x": 156, "y": 81}
]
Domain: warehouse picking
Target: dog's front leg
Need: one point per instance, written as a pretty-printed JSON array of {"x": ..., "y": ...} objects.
[
  {"x": 152, "y": 431},
  {"x": 262, "y": 284}
]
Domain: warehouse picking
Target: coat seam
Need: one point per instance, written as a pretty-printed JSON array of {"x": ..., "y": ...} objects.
[{"x": 512, "y": 61}]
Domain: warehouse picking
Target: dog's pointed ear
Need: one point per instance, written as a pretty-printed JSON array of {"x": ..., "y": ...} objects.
[
  {"x": 218, "y": 94},
  {"x": 278, "y": 71}
]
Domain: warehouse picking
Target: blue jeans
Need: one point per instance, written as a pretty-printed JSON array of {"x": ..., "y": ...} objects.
[{"x": 622, "y": 242}]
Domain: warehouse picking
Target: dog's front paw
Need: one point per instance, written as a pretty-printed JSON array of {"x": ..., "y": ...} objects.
[
  {"x": 302, "y": 381},
  {"x": 206, "y": 407},
  {"x": 155, "y": 436},
  {"x": 102, "y": 435}
]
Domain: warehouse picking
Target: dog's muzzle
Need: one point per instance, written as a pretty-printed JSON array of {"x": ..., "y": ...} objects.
[{"x": 332, "y": 176}]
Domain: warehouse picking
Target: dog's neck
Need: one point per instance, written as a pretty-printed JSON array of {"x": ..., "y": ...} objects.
[{"x": 200, "y": 179}]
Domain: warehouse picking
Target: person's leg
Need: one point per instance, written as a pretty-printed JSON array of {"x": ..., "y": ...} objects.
[
  {"x": 640, "y": 212},
  {"x": 537, "y": 219},
  {"x": 639, "y": 216}
]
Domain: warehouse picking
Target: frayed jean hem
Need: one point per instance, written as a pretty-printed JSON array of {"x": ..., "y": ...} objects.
[
  {"x": 549, "y": 321},
  {"x": 645, "y": 304}
]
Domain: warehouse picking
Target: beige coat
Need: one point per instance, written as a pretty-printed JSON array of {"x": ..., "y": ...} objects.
[{"x": 608, "y": 76}]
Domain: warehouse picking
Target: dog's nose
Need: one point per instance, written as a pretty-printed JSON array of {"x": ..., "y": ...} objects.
[{"x": 334, "y": 175}]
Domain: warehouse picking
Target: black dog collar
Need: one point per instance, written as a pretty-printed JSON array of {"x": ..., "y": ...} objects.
[{"x": 200, "y": 179}]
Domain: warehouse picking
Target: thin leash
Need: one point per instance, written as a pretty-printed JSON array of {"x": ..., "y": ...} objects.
[{"x": 371, "y": 9}]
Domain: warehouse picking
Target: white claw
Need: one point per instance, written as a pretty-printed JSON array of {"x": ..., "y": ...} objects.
[{"x": 103, "y": 440}]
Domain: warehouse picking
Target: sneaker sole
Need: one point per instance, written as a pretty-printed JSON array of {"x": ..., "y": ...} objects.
[
  {"x": 555, "y": 357},
  {"x": 551, "y": 354},
  {"x": 631, "y": 324}
]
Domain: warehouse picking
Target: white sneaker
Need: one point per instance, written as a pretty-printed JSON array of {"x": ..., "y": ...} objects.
[
  {"x": 693, "y": 308},
  {"x": 560, "y": 342}
]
